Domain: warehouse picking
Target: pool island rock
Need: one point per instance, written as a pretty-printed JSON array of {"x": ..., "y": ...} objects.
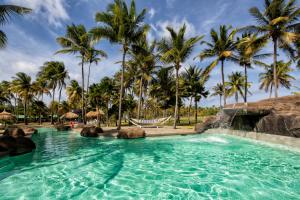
[{"x": 279, "y": 116}]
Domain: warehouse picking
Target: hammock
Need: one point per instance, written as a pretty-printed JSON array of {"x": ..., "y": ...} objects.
[{"x": 149, "y": 123}]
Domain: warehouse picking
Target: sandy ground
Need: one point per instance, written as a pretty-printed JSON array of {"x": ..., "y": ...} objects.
[{"x": 150, "y": 132}]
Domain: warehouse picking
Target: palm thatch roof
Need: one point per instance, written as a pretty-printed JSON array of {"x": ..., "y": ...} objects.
[
  {"x": 94, "y": 114},
  {"x": 70, "y": 115},
  {"x": 6, "y": 116}
]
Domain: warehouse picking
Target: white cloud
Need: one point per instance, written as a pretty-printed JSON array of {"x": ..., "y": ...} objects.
[
  {"x": 52, "y": 10},
  {"x": 152, "y": 12},
  {"x": 161, "y": 31}
]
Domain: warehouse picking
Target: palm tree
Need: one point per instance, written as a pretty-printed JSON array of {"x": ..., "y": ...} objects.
[
  {"x": 176, "y": 50},
  {"x": 248, "y": 51},
  {"x": 77, "y": 40},
  {"x": 142, "y": 56},
  {"x": 221, "y": 48},
  {"x": 41, "y": 88},
  {"x": 93, "y": 56},
  {"x": 40, "y": 108},
  {"x": 218, "y": 91},
  {"x": 54, "y": 73},
  {"x": 236, "y": 85},
  {"x": 122, "y": 26},
  {"x": 74, "y": 93},
  {"x": 23, "y": 85},
  {"x": 277, "y": 22},
  {"x": 283, "y": 78},
  {"x": 6, "y": 11},
  {"x": 162, "y": 88},
  {"x": 194, "y": 79}
]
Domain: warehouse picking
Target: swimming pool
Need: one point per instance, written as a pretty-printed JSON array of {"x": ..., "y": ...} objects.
[{"x": 67, "y": 166}]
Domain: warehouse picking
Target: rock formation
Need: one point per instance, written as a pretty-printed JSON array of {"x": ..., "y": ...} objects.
[
  {"x": 131, "y": 133},
  {"x": 91, "y": 131}
]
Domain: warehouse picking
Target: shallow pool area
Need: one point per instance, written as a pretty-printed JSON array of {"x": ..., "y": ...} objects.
[{"x": 67, "y": 166}]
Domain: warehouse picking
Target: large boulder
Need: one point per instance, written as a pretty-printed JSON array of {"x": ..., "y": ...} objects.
[
  {"x": 131, "y": 133},
  {"x": 15, "y": 145},
  {"x": 8, "y": 142},
  {"x": 30, "y": 130},
  {"x": 295, "y": 127},
  {"x": 91, "y": 131},
  {"x": 61, "y": 127},
  {"x": 14, "y": 132},
  {"x": 208, "y": 123}
]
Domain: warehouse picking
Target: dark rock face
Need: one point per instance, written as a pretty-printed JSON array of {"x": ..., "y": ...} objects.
[
  {"x": 30, "y": 131},
  {"x": 16, "y": 146},
  {"x": 207, "y": 124},
  {"x": 91, "y": 131},
  {"x": 14, "y": 132},
  {"x": 279, "y": 116},
  {"x": 61, "y": 127},
  {"x": 131, "y": 133}
]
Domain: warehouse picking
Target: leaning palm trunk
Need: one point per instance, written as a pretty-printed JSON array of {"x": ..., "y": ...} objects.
[
  {"x": 122, "y": 88},
  {"x": 140, "y": 98},
  {"x": 176, "y": 104},
  {"x": 275, "y": 69},
  {"x": 88, "y": 79},
  {"x": 223, "y": 82},
  {"x": 190, "y": 106},
  {"x": 236, "y": 97},
  {"x": 82, "y": 95}
]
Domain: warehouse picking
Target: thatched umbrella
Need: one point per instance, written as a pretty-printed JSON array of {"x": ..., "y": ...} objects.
[
  {"x": 70, "y": 115},
  {"x": 94, "y": 114},
  {"x": 6, "y": 117}
]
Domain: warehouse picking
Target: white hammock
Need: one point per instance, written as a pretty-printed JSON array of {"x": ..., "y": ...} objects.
[{"x": 149, "y": 123}]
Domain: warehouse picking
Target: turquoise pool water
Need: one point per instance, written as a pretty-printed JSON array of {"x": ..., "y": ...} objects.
[{"x": 67, "y": 166}]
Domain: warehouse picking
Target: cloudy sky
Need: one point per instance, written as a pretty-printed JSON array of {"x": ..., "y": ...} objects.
[{"x": 31, "y": 39}]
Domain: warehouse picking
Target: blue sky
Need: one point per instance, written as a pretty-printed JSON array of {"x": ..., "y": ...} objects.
[{"x": 31, "y": 39}]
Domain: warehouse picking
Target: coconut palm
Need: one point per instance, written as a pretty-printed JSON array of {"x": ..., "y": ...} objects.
[
  {"x": 41, "y": 88},
  {"x": 221, "y": 48},
  {"x": 218, "y": 91},
  {"x": 93, "y": 56},
  {"x": 54, "y": 73},
  {"x": 6, "y": 12},
  {"x": 175, "y": 50},
  {"x": 283, "y": 77},
  {"x": 143, "y": 56},
  {"x": 194, "y": 79},
  {"x": 248, "y": 52},
  {"x": 40, "y": 108},
  {"x": 77, "y": 41},
  {"x": 278, "y": 22},
  {"x": 121, "y": 25},
  {"x": 74, "y": 93},
  {"x": 236, "y": 85},
  {"x": 22, "y": 84},
  {"x": 162, "y": 88}
]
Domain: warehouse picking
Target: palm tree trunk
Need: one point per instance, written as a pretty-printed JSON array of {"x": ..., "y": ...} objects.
[
  {"x": 190, "y": 106},
  {"x": 82, "y": 95},
  {"x": 98, "y": 117},
  {"x": 271, "y": 91},
  {"x": 140, "y": 98},
  {"x": 25, "y": 112},
  {"x": 223, "y": 82},
  {"x": 59, "y": 98},
  {"x": 177, "y": 98},
  {"x": 196, "y": 111},
  {"x": 88, "y": 79},
  {"x": 275, "y": 68},
  {"x": 246, "y": 84},
  {"x": 107, "y": 115},
  {"x": 122, "y": 87},
  {"x": 52, "y": 110},
  {"x": 220, "y": 101},
  {"x": 236, "y": 97}
]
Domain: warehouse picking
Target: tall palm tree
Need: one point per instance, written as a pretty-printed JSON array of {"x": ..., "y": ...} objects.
[
  {"x": 194, "y": 82},
  {"x": 218, "y": 91},
  {"x": 175, "y": 50},
  {"x": 40, "y": 108},
  {"x": 221, "y": 48},
  {"x": 283, "y": 78},
  {"x": 6, "y": 11},
  {"x": 235, "y": 85},
  {"x": 162, "y": 88},
  {"x": 278, "y": 22},
  {"x": 77, "y": 40},
  {"x": 23, "y": 85},
  {"x": 143, "y": 56},
  {"x": 93, "y": 56},
  {"x": 121, "y": 25},
  {"x": 41, "y": 88},
  {"x": 248, "y": 52},
  {"x": 74, "y": 93},
  {"x": 54, "y": 73}
]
